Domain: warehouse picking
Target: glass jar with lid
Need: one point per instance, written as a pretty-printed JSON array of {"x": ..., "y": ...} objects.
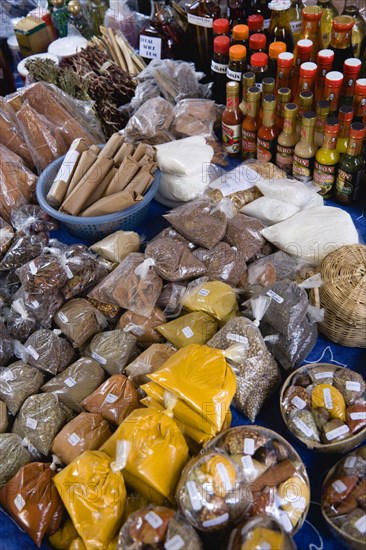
[{"x": 279, "y": 27}]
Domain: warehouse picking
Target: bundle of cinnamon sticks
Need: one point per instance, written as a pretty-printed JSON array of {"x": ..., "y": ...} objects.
[{"x": 94, "y": 182}]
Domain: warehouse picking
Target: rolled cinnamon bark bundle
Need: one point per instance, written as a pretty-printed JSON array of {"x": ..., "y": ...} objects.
[
  {"x": 112, "y": 203},
  {"x": 125, "y": 174}
]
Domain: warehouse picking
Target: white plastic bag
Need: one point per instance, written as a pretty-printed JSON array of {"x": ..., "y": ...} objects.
[
  {"x": 288, "y": 190},
  {"x": 269, "y": 210},
  {"x": 184, "y": 157}
]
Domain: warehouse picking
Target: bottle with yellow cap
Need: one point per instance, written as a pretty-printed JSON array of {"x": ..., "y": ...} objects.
[
  {"x": 77, "y": 19},
  {"x": 287, "y": 139},
  {"x": 268, "y": 132},
  {"x": 250, "y": 124},
  {"x": 60, "y": 17},
  {"x": 236, "y": 67},
  {"x": 327, "y": 158},
  {"x": 232, "y": 118},
  {"x": 248, "y": 80},
  {"x": 274, "y": 50}
]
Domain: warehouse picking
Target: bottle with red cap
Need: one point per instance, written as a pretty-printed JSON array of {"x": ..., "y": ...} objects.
[
  {"x": 221, "y": 27},
  {"x": 307, "y": 77},
  {"x": 219, "y": 67},
  {"x": 240, "y": 35},
  {"x": 285, "y": 64},
  {"x": 351, "y": 70},
  {"x": 351, "y": 172},
  {"x": 341, "y": 40},
  {"x": 302, "y": 55},
  {"x": 274, "y": 51},
  {"x": 235, "y": 12},
  {"x": 332, "y": 90},
  {"x": 345, "y": 116},
  {"x": 255, "y": 23},
  {"x": 279, "y": 28},
  {"x": 257, "y": 43},
  {"x": 310, "y": 30},
  {"x": 326, "y": 159},
  {"x": 259, "y": 66},
  {"x": 261, "y": 7},
  {"x": 324, "y": 63},
  {"x": 359, "y": 103}
]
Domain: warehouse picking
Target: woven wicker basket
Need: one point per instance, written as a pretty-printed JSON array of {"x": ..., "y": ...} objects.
[{"x": 343, "y": 296}]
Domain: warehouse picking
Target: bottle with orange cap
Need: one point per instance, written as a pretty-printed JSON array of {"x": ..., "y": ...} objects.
[
  {"x": 351, "y": 172},
  {"x": 240, "y": 35},
  {"x": 351, "y": 70},
  {"x": 274, "y": 50},
  {"x": 324, "y": 63},
  {"x": 359, "y": 103},
  {"x": 310, "y": 29},
  {"x": 341, "y": 40},
  {"x": 219, "y": 67},
  {"x": 285, "y": 70},
  {"x": 237, "y": 64},
  {"x": 327, "y": 158}
]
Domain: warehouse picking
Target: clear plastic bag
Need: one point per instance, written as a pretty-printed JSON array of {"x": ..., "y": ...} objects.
[
  {"x": 193, "y": 328},
  {"x": 85, "y": 432},
  {"x": 30, "y": 218},
  {"x": 257, "y": 374},
  {"x": 173, "y": 261},
  {"x": 11, "y": 137},
  {"x": 85, "y": 270},
  {"x": 76, "y": 382},
  {"x": 13, "y": 455},
  {"x": 195, "y": 117},
  {"x": 43, "y": 306},
  {"x": 43, "y": 274},
  {"x": 39, "y": 419},
  {"x": 260, "y": 532},
  {"x": 244, "y": 233},
  {"x": 23, "y": 249},
  {"x": 12, "y": 168},
  {"x": 17, "y": 382},
  {"x": 151, "y": 123},
  {"x": 184, "y": 157},
  {"x": 47, "y": 351},
  {"x": 119, "y": 17},
  {"x": 170, "y": 299},
  {"x": 115, "y": 399},
  {"x": 37, "y": 507},
  {"x": 117, "y": 246},
  {"x": 213, "y": 297},
  {"x": 147, "y": 362},
  {"x": 6, "y": 236},
  {"x": 223, "y": 262},
  {"x": 173, "y": 235},
  {"x": 112, "y": 349},
  {"x": 143, "y": 328},
  {"x": 79, "y": 321},
  {"x": 133, "y": 285},
  {"x": 6, "y": 345},
  {"x": 269, "y": 210}
]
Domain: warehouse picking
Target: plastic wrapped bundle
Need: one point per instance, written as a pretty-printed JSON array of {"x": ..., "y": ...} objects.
[
  {"x": 257, "y": 373},
  {"x": 22, "y": 250},
  {"x": 96, "y": 513},
  {"x": 6, "y": 346},
  {"x": 112, "y": 350},
  {"x": 79, "y": 321},
  {"x": 17, "y": 382},
  {"x": 39, "y": 419},
  {"x": 261, "y": 532},
  {"x": 115, "y": 399},
  {"x": 47, "y": 351},
  {"x": 150, "y": 433},
  {"x": 30, "y": 218},
  {"x": 20, "y": 323},
  {"x": 13, "y": 455},
  {"x": 6, "y": 236},
  {"x": 155, "y": 525},
  {"x": 37, "y": 507}
]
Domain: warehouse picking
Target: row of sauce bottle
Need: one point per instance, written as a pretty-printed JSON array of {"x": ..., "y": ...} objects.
[{"x": 307, "y": 145}]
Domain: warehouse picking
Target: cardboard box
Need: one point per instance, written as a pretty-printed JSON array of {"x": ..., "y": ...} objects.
[{"x": 32, "y": 36}]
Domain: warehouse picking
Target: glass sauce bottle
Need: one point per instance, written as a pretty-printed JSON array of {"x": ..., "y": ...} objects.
[
  {"x": 221, "y": 27},
  {"x": 329, "y": 13},
  {"x": 351, "y": 172},
  {"x": 295, "y": 19},
  {"x": 351, "y": 7},
  {"x": 248, "y": 80},
  {"x": 259, "y": 66},
  {"x": 287, "y": 139},
  {"x": 324, "y": 62},
  {"x": 236, "y": 67},
  {"x": 351, "y": 70},
  {"x": 261, "y": 7},
  {"x": 255, "y": 23},
  {"x": 326, "y": 159},
  {"x": 274, "y": 51},
  {"x": 250, "y": 124},
  {"x": 332, "y": 90},
  {"x": 303, "y": 54},
  {"x": 322, "y": 113},
  {"x": 345, "y": 116},
  {"x": 359, "y": 103},
  {"x": 307, "y": 77},
  {"x": 268, "y": 132},
  {"x": 340, "y": 41},
  {"x": 219, "y": 66},
  {"x": 279, "y": 29},
  {"x": 283, "y": 97},
  {"x": 268, "y": 87},
  {"x": 310, "y": 30},
  {"x": 305, "y": 103},
  {"x": 199, "y": 37},
  {"x": 97, "y": 13},
  {"x": 240, "y": 35},
  {"x": 305, "y": 150},
  {"x": 232, "y": 119},
  {"x": 285, "y": 63},
  {"x": 235, "y": 12},
  {"x": 257, "y": 44}
]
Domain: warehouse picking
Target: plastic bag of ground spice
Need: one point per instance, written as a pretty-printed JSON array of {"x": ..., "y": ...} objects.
[
  {"x": 259, "y": 276},
  {"x": 42, "y": 274},
  {"x": 110, "y": 311},
  {"x": 143, "y": 328},
  {"x": 112, "y": 350},
  {"x": 31, "y": 218},
  {"x": 6, "y": 346},
  {"x": 173, "y": 261},
  {"x": 4, "y": 419},
  {"x": 96, "y": 512},
  {"x": 223, "y": 263},
  {"x": 291, "y": 350},
  {"x": 85, "y": 269},
  {"x": 13, "y": 455},
  {"x": 153, "y": 526},
  {"x": 170, "y": 297},
  {"x": 193, "y": 328},
  {"x": 63, "y": 537},
  {"x": 172, "y": 234},
  {"x": 134, "y": 285},
  {"x": 17, "y": 382},
  {"x": 148, "y": 361},
  {"x": 79, "y": 321},
  {"x": 200, "y": 221},
  {"x": 39, "y": 419},
  {"x": 85, "y": 432},
  {"x": 117, "y": 246},
  {"x": 43, "y": 307},
  {"x": 32, "y": 500},
  {"x": 76, "y": 382},
  {"x": 150, "y": 433},
  {"x": 23, "y": 249},
  {"x": 6, "y": 236},
  {"x": 257, "y": 373},
  {"x": 350, "y": 384},
  {"x": 213, "y": 297},
  {"x": 244, "y": 233},
  {"x": 115, "y": 399},
  {"x": 47, "y": 351},
  {"x": 20, "y": 323}
]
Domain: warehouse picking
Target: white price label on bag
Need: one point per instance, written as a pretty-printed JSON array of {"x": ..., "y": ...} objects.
[
  {"x": 74, "y": 439},
  {"x": 298, "y": 402},
  {"x": 249, "y": 446},
  {"x": 31, "y": 423},
  {"x": 19, "y": 502},
  {"x": 111, "y": 398},
  {"x": 154, "y": 520},
  {"x": 353, "y": 386},
  {"x": 70, "y": 382},
  {"x": 187, "y": 331},
  {"x": 175, "y": 543},
  {"x": 276, "y": 297},
  {"x": 33, "y": 352}
]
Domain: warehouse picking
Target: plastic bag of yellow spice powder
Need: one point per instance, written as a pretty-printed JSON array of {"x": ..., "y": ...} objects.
[
  {"x": 328, "y": 397},
  {"x": 194, "y": 328},
  {"x": 203, "y": 383},
  {"x": 156, "y": 455},
  {"x": 213, "y": 297},
  {"x": 93, "y": 491}
]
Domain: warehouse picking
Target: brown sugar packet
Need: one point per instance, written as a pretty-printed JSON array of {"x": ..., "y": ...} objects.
[
  {"x": 112, "y": 203},
  {"x": 87, "y": 159},
  {"x": 114, "y": 400},
  {"x": 140, "y": 183},
  {"x": 85, "y": 432},
  {"x": 124, "y": 175},
  {"x": 100, "y": 190}
]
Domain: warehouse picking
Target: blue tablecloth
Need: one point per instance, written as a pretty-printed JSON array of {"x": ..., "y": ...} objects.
[{"x": 314, "y": 534}]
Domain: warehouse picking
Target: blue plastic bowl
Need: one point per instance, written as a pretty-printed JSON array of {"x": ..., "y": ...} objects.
[{"x": 94, "y": 228}]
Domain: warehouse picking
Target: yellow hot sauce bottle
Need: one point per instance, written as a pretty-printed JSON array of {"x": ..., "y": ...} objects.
[{"x": 327, "y": 158}]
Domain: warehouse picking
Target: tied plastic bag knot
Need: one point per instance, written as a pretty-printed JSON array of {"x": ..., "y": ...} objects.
[
  {"x": 123, "y": 448},
  {"x": 259, "y": 307},
  {"x": 272, "y": 338},
  {"x": 315, "y": 314},
  {"x": 20, "y": 351},
  {"x": 170, "y": 401},
  {"x": 237, "y": 353},
  {"x": 19, "y": 307},
  {"x": 55, "y": 463},
  {"x": 226, "y": 207},
  {"x": 57, "y": 331},
  {"x": 143, "y": 269},
  {"x": 315, "y": 281}
]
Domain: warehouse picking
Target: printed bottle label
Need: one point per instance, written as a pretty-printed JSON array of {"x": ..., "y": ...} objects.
[
  {"x": 231, "y": 137},
  {"x": 200, "y": 21},
  {"x": 324, "y": 177},
  {"x": 266, "y": 149},
  {"x": 233, "y": 75},
  {"x": 285, "y": 157},
  {"x": 249, "y": 141},
  {"x": 302, "y": 169},
  {"x": 295, "y": 26},
  {"x": 218, "y": 67},
  {"x": 345, "y": 186},
  {"x": 150, "y": 47}
]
